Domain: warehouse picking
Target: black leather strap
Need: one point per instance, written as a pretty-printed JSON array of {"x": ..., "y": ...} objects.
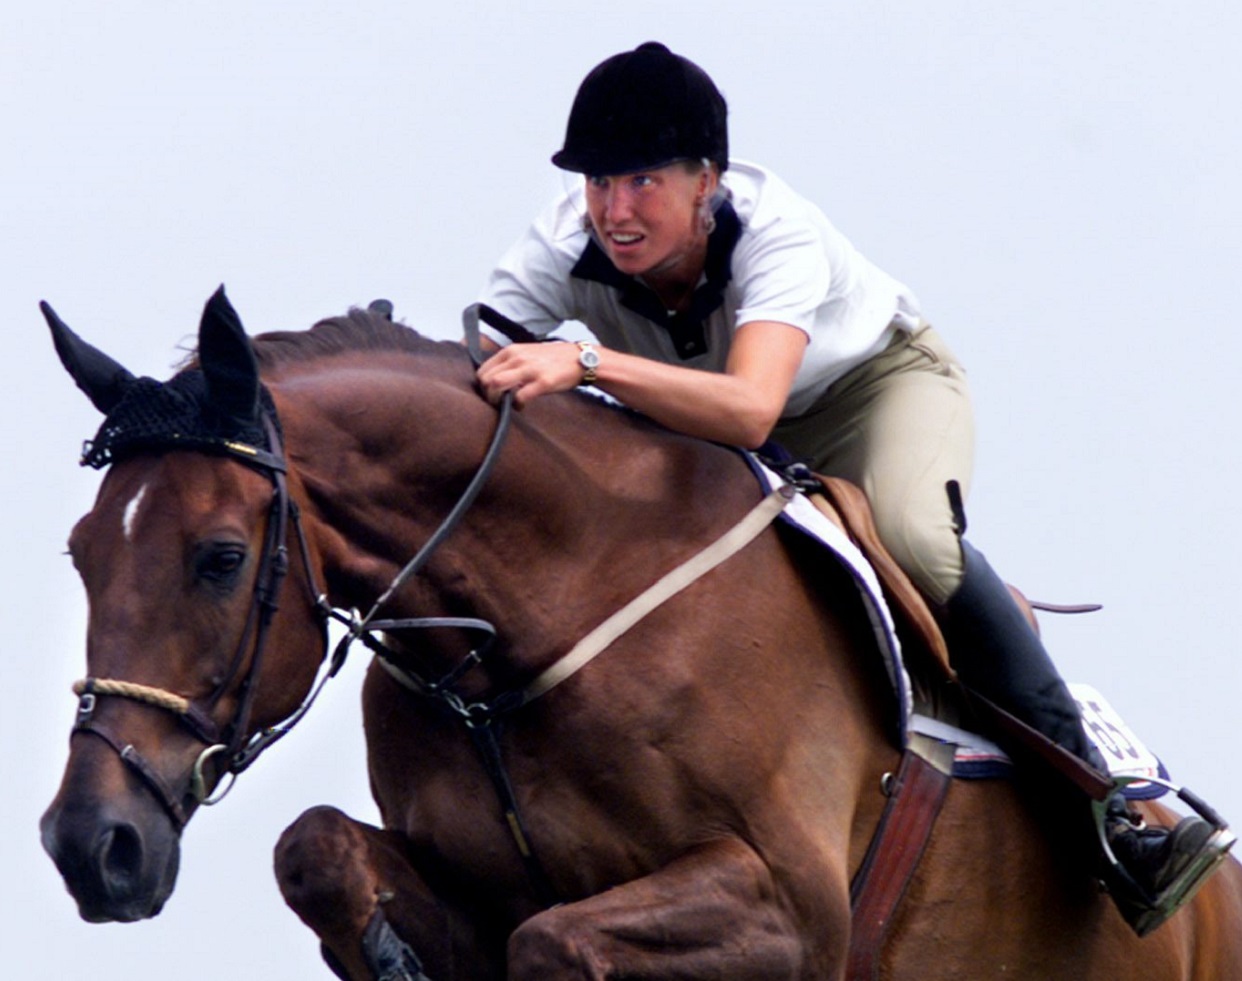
[{"x": 496, "y": 320}]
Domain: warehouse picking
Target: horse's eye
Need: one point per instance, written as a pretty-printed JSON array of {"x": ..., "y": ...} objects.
[{"x": 220, "y": 564}]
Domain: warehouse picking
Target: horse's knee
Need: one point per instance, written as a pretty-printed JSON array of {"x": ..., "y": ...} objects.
[
  {"x": 553, "y": 947},
  {"x": 322, "y": 870},
  {"x": 355, "y": 887}
]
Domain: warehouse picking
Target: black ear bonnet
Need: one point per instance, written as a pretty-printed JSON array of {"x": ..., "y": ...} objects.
[{"x": 155, "y": 417}]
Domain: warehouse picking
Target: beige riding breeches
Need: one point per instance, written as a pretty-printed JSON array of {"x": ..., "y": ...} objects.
[{"x": 900, "y": 426}]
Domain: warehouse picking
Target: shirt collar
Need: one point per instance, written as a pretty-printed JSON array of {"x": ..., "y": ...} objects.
[{"x": 688, "y": 330}]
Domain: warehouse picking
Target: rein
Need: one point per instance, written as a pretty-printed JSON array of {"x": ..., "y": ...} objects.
[
  {"x": 229, "y": 741},
  {"x": 602, "y": 636},
  {"x": 481, "y": 718}
]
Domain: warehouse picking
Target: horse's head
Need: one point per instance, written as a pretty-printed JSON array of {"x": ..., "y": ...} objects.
[{"x": 188, "y": 656}]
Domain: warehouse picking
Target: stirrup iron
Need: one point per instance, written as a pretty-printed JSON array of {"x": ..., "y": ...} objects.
[{"x": 1143, "y": 911}]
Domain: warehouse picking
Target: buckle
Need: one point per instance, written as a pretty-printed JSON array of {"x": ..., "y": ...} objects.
[{"x": 86, "y": 709}]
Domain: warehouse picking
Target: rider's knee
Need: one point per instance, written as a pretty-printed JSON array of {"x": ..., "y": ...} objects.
[{"x": 927, "y": 549}]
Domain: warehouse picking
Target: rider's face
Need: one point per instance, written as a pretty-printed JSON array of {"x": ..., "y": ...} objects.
[{"x": 648, "y": 222}]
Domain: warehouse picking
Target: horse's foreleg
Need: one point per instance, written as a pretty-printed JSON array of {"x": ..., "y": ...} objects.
[
  {"x": 714, "y": 913},
  {"x": 376, "y": 917}
]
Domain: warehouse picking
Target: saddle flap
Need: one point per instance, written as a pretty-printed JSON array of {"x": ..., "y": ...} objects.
[{"x": 846, "y": 506}]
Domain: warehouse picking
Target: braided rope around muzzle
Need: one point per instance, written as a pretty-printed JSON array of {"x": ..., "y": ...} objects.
[{"x": 134, "y": 692}]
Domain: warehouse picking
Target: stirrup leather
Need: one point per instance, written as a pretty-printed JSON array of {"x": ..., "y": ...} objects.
[{"x": 1143, "y": 911}]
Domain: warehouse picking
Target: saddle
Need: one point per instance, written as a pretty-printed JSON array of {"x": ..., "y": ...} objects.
[
  {"x": 917, "y": 790},
  {"x": 846, "y": 506},
  {"x": 925, "y": 651}
]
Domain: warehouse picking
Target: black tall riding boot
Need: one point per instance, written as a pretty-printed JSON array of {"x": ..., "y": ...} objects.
[{"x": 997, "y": 653}]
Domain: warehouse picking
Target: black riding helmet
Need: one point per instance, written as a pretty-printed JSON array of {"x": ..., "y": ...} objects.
[{"x": 644, "y": 109}]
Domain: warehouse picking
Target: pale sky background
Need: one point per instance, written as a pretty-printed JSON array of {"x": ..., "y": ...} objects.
[{"x": 1057, "y": 181}]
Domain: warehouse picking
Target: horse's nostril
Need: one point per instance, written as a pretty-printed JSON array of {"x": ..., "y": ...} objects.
[{"x": 120, "y": 857}]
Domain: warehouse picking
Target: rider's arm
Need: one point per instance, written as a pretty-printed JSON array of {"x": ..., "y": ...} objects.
[{"x": 738, "y": 406}]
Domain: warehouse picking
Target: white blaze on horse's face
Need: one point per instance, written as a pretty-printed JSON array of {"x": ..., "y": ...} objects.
[{"x": 131, "y": 512}]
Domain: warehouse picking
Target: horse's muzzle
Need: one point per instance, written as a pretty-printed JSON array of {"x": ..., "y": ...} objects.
[{"x": 118, "y": 856}]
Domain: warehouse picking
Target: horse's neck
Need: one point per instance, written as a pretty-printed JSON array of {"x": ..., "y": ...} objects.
[
  {"x": 379, "y": 458},
  {"x": 585, "y": 507},
  {"x": 584, "y": 511}
]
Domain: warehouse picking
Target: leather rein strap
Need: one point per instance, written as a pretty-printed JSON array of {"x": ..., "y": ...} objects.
[
  {"x": 483, "y": 719},
  {"x": 230, "y": 742}
]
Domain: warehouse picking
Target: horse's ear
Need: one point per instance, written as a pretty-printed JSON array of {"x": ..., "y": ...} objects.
[
  {"x": 102, "y": 379},
  {"x": 227, "y": 360}
]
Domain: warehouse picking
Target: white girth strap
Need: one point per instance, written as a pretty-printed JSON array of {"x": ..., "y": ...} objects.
[{"x": 731, "y": 542}]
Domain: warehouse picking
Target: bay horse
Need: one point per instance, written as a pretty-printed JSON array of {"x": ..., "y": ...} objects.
[{"x": 693, "y": 803}]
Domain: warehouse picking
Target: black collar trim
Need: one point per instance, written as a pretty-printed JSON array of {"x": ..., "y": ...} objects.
[{"x": 687, "y": 330}]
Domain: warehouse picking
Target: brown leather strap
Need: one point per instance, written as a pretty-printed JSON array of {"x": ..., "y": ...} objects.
[
  {"x": 1019, "y": 736},
  {"x": 905, "y": 827}
]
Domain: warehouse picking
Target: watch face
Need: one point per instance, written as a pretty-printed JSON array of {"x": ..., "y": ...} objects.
[{"x": 589, "y": 358}]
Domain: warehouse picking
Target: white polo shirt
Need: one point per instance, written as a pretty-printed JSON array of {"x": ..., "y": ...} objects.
[{"x": 773, "y": 256}]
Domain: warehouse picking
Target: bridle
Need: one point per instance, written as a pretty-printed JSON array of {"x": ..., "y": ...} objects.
[
  {"x": 228, "y": 749},
  {"x": 227, "y": 746}
]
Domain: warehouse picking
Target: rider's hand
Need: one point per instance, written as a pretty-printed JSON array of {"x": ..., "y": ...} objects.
[{"x": 529, "y": 371}]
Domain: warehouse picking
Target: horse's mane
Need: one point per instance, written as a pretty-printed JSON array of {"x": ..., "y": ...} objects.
[
  {"x": 366, "y": 330},
  {"x": 358, "y": 330}
]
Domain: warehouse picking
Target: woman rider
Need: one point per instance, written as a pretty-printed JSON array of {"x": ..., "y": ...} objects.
[{"x": 728, "y": 307}]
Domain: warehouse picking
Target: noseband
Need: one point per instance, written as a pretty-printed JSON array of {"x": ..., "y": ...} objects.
[
  {"x": 231, "y": 751},
  {"x": 228, "y": 742},
  {"x": 236, "y": 751},
  {"x": 228, "y": 748}
]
